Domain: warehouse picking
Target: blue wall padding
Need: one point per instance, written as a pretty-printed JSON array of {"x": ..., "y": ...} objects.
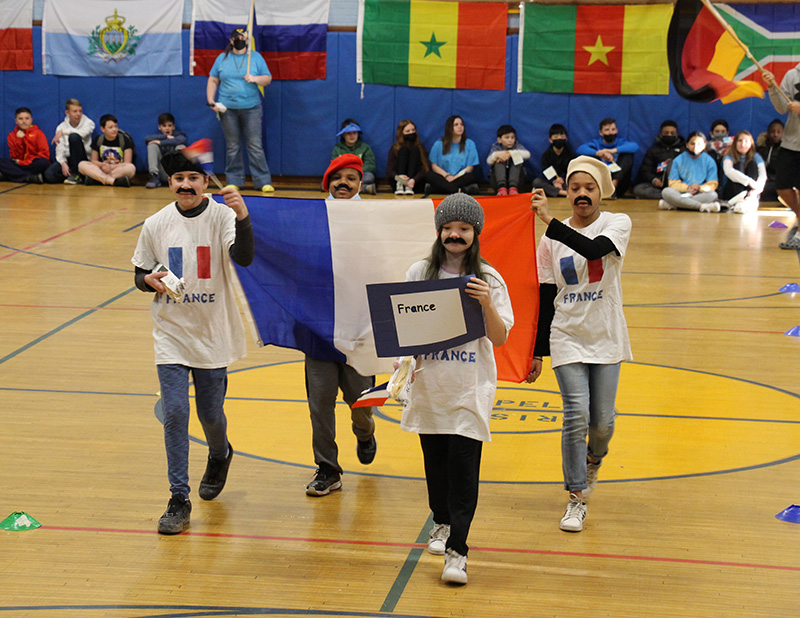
[{"x": 301, "y": 118}]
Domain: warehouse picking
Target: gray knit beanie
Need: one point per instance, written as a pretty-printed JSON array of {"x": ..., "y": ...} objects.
[{"x": 459, "y": 207}]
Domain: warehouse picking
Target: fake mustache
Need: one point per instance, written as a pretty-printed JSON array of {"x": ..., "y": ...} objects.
[
  {"x": 582, "y": 198},
  {"x": 190, "y": 191},
  {"x": 457, "y": 240},
  {"x": 343, "y": 186}
]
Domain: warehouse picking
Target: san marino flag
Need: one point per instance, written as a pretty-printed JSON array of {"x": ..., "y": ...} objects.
[
  {"x": 306, "y": 288},
  {"x": 112, "y": 39}
]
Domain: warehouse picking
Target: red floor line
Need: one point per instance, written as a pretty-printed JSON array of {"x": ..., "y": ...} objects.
[
  {"x": 74, "y": 229},
  {"x": 539, "y": 552}
]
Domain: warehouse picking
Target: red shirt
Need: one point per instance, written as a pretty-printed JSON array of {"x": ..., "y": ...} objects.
[{"x": 33, "y": 145}]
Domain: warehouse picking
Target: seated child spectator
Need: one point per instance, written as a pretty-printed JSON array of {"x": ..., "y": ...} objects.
[
  {"x": 617, "y": 152},
  {"x": 350, "y": 142},
  {"x": 718, "y": 144},
  {"x": 746, "y": 173},
  {"x": 453, "y": 160},
  {"x": 168, "y": 139},
  {"x": 73, "y": 140},
  {"x": 657, "y": 161},
  {"x": 407, "y": 161},
  {"x": 767, "y": 145},
  {"x": 29, "y": 150},
  {"x": 112, "y": 157},
  {"x": 555, "y": 161},
  {"x": 692, "y": 179},
  {"x": 505, "y": 160}
]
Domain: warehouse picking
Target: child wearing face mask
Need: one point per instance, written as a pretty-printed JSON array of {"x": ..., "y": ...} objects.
[
  {"x": 692, "y": 180},
  {"x": 408, "y": 159},
  {"x": 657, "y": 161},
  {"x": 554, "y": 163},
  {"x": 612, "y": 149}
]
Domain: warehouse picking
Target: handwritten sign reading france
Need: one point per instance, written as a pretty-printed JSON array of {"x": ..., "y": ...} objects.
[{"x": 419, "y": 317}]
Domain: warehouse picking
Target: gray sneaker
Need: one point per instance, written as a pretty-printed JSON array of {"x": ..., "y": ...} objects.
[
  {"x": 591, "y": 477},
  {"x": 176, "y": 518},
  {"x": 74, "y": 179},
  {"x": 154, "y": 182},
  {"x": 574, "y": 516},
  {"x": 791, "y": 243},
  {"x": 437, "y": 540}
]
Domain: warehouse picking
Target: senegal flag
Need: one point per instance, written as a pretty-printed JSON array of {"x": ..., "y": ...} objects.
[
  {"x": 594, "y": 49},
  {"x": 432, "y": 44}
]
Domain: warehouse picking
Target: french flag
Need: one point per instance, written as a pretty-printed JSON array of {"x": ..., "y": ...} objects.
[
  {"x": 201, "y": 153},
  {"x": 373, "y": 397},
  {"x": 306, "y": 288},
  {"x": 290, "y": 35},
  {"x": 16, "y": 35}
]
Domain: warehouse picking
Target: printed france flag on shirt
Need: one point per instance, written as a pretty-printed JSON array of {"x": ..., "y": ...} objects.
[
  {"x": 306, "y": 288},
  {"x": 291, "y": 36}
]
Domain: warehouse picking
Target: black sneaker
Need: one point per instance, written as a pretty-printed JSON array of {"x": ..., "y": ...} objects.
[
  {"x": 122, "y": 181},
  {"x": 215, "y": 476},
  {"x": 366, "y": 450},
  {"x": 176, "y": 518},
  {"x": 35, "y": 179},
  {"x": 324, "y": 483},
  {"x": 91, "y": 182}
]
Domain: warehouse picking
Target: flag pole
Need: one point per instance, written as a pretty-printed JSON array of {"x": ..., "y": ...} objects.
[
  {"x": 744, "y": 47},
  {"x": 250, "y": 32}
]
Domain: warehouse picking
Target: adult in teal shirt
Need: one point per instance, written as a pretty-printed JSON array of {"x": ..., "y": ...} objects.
[
  {"x": 453, "y": 159},
  {"x": 239, "y": 107}
]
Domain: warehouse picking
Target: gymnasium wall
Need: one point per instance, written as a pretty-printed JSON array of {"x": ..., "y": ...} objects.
[{"x": 301, "y": 118}]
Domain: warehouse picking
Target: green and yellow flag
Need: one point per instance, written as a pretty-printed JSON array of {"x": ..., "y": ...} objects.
[
  {"x": 594, "y": 49},
  {"x": 432, "y": 44}
]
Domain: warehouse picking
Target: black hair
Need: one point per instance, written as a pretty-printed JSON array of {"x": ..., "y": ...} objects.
[
  {"x": 165, "y": 118},
  {"x": 774, "y": 121},
  {"x": 669, "y": 123},
  {"x": 556, "y": 129},
  {"x": 21, "y": 110},
  {"x": 607, "y": 121},
  {"x": 506, "y": 128},
  {"x": 696, "y": 134},
  {"x": 106, "y": 117},
  {"x": 346, "y": 122},
  {"x": 724, "y": 123},
  {"x": 447, "y": 139}
]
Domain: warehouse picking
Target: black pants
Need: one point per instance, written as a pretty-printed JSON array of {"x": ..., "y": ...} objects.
[
  {"x": 625, "y": 161},
  {"x": 439, "y": 184},
  {"x": 15, "y": 172},
  {"x": 452, "y": 471},
  {"x": 409, "y": 163},
  {"x": 77, "y": 153}
]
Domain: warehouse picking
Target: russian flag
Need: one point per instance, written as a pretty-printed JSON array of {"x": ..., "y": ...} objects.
[
  {"x": 16, "y": 38},
  {"x": 291, "y": 36},
  {"x": 306, "y": 288}
]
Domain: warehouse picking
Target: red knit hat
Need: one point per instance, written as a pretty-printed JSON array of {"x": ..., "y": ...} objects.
[{"x": 340, "y": 163}]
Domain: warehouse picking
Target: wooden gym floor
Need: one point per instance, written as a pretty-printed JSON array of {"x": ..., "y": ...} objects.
[{"x": 707, "y": 448}]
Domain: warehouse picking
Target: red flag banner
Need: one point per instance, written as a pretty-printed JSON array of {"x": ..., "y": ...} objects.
[{"x": 16, "y": 35}]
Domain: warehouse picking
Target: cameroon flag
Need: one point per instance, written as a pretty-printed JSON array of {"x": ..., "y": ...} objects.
[
  {"x": 432, "y": 44},
  {"x": 594, "y": 49}
]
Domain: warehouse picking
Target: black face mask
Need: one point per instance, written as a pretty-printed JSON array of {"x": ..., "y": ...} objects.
[
  {"x": 239, "y": 44},
  {"x": 610, "y": 138},
  {"x": 559, "y": 143},
  {"x": 669, "y": 140},
  {"x": 409, "y": 138}
]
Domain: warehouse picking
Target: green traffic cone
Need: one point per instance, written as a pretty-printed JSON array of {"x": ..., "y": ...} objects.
[{"x": 18, "y": 521}]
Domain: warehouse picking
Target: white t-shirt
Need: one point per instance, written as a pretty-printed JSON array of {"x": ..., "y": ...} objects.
[
  {"x": 204, "y": 329},
  {"x": 589, "y": 325},
  {"x": 455, "y": 392}
]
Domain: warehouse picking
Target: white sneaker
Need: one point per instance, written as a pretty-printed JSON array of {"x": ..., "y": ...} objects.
[
  {"x": 400, "y": 190},
  {"x": 591, "y": 477},
  {"x": 712, "y": 207},
  {"x": 438, "y": 539},
  {"x": 576, "y": 513},
  {"x": 409, "y": 190},
  {"x": 455, "y": 568},
  {"x": 663, "y": 205}
]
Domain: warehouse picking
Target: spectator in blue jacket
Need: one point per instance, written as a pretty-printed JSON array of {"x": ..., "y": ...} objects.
[{"x": 615, "y": 151}]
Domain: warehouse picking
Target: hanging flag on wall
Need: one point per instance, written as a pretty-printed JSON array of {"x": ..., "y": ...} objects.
[
  {"x": 594, "y": 49},
  {"x": 306, "y": 288},
  {"x": 290, "y": 35},
  {"x": 16, "y": 38},
  {"x": 432, "y": 44},
  {"x": 108, "y": 39}
]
